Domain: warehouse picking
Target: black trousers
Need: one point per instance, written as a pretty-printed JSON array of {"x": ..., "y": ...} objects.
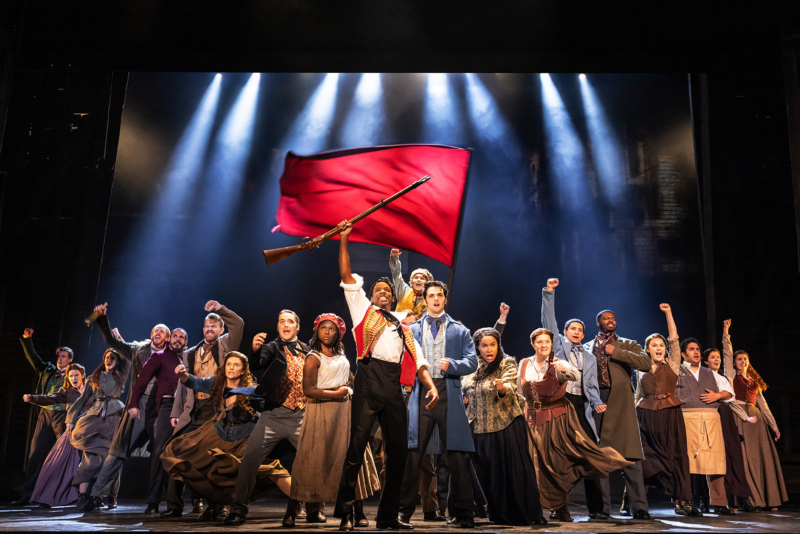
[
  {"x": 594, "y": 499},
  {"x": 376, "y": 395},
  {"x": 203, "y": 411},
  {"x": 49, "y": 427},
  {"x": 163, "y": 432},
  {"x": 461, "y": 496}
]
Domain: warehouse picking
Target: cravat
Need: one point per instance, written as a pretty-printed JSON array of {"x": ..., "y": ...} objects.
[
  {"x": 577, "y": 352},
  {"x": 434, "y": 323}
]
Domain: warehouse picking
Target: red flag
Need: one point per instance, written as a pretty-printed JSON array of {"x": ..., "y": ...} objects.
[{"x": 318, "y": 192}]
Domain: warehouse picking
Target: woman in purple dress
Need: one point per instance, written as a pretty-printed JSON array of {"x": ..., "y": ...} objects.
[{"x": 54, "y": 485}]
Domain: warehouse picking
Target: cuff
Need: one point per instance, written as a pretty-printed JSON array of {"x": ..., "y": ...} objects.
[{"x": 353, "y": 287}]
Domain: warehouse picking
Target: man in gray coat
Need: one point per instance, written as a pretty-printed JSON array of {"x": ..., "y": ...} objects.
[{"x": 583, "y": 393}]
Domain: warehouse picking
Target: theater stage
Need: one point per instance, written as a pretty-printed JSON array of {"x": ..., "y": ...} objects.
[{"x": 267, "y": 514}]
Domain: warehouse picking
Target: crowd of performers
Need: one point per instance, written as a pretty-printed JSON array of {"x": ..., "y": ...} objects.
[{"x": 434, "y": 412}]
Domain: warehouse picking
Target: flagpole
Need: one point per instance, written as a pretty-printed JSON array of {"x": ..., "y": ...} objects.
[{"x": 458, "y": 235}]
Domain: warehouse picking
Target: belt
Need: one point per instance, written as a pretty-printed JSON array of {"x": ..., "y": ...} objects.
[
  {"x": 661, "y": 396},
  {"x": 543, "y": 413},
  {"x": 167, "y": 396},
  {"x": 105, "y": 400}
]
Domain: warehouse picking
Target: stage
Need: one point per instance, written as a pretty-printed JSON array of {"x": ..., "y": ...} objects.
[{"x": 267, "y": 514}]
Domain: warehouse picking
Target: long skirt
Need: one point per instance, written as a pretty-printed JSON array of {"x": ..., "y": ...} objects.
[
  {"x": 666, "y": 461},
  {"x": 54, "y": 485},
  {"x": 563, "y": 454},
  {"x": 321, "y": 449},
  {"x": 507, "y": 475},
  {"x": 735, "y": 473},
  {"x": 208, "y": 464},
  {"x": 761, "y": 463},
  {"x": 92, "y": 436}
]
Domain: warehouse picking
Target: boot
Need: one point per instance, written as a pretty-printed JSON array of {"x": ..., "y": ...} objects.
[
  {"x": 301, "y": 511},
  {"x": 563, "y": 515},
  {"x": 290, "y": 516},
  {"x": 704, "y": 505},
  {"x": 112, "y": 502},
  {"x": 358, "y": 514},
  {"x": 690, "y": 510},
  {"x": 82, "y": 498},
  {"x": 625, "y": 507}
]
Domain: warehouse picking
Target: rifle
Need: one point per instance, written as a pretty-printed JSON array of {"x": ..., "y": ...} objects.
[{"x": 278, "y": 254}]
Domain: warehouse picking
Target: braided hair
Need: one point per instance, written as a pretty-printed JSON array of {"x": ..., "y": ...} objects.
[{"x": 544, "y": 332}]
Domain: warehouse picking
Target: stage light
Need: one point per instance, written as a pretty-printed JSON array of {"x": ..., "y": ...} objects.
[
  {"x": 365, "y": 118},
  {"x": 488, "y": 122},
  {"x": 565, "y": 151},
  {"x": 606, "y": 151},
  {"x": 442, "y": 123},
  {"x": 225, "y": 175},
  {"x": 581, "y": 76},
  {"x": 309, "y": 132}
]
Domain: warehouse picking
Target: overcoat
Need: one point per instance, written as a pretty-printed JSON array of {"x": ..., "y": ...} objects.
[
  {"x": 620, "y": 426},
  {"x": 460, "y": 351},
  {"x": 137, "y": 353}
]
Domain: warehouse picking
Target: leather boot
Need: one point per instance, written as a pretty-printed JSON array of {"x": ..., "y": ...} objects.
[
  {"x": 290, "y": 516},
  {"x": 358, "y": 514},
  {"x": 563, "y": 514}
]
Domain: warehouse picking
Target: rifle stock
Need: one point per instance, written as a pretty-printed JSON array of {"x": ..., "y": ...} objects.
[{"x": 277, "y": 254}]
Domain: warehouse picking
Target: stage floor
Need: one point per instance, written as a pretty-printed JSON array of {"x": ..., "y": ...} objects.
[{"x": 266, "y": 514}]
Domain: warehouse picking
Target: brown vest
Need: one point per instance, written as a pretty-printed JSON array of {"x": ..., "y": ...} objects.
[{"x": 659, "y": 389}]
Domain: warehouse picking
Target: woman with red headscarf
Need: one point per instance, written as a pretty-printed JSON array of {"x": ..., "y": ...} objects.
[{"x": 324, "y": 436}]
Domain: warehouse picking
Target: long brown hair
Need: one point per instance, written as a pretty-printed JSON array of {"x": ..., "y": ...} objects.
[
  {"x": 246, "y": 380},
  {"x": 540, "y": 332},
  {"x": 119, "y": 372},
  {"x": 74, "y": 367},
  {"x": 752, "y": 374}
]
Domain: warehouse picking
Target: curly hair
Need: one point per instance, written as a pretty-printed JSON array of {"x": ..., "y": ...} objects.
[
  {"x": 752, "y": 374},
  {"x": 119, "y": 372},
  {"x": 246, "y": 380},
  {"x": 383, "y": 280},
  {"x": 488, "y": 369},
  {"x": 540, "y": 332},
  {"x": 316, "y": 344}
]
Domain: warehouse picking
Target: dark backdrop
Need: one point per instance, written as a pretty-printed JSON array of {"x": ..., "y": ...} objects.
[{"x": 525, "y": 219}]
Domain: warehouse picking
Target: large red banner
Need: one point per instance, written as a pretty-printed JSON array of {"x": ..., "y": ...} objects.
[{"x": 319, "y": 191}]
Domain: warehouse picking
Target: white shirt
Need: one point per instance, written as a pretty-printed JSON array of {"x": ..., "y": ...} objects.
[
  {"x": 722, "y": 382},
  {"x": 389, "y": 345},
  {"x": 534, "y": 373}
]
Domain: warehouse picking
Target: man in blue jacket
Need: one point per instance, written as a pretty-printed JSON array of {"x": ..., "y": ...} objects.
[
  {"x": 584, "y": 394},
  {"x": 448, "y": 347}
]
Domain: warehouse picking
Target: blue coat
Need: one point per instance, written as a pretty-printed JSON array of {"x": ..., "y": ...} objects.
[
  {"x": 562, "y": 347},
  {"x": 460, "y": 352}
]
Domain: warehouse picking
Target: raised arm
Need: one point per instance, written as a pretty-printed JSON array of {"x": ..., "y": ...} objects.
[
  {"x": 400, "y": 286},
  {"x": 549, "y": 315},
  {"x": 123, "y": 348},
  {"x": 727, "y": 350},
  {"x": 344, "y": 253},
  {"x": 500, "y": 325},
  {"x": 234, "y": 323},
  {"x": 30, "y": 353},
  {"x": 674, "y": 354},
  {"x": 48, "y": 400}
]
